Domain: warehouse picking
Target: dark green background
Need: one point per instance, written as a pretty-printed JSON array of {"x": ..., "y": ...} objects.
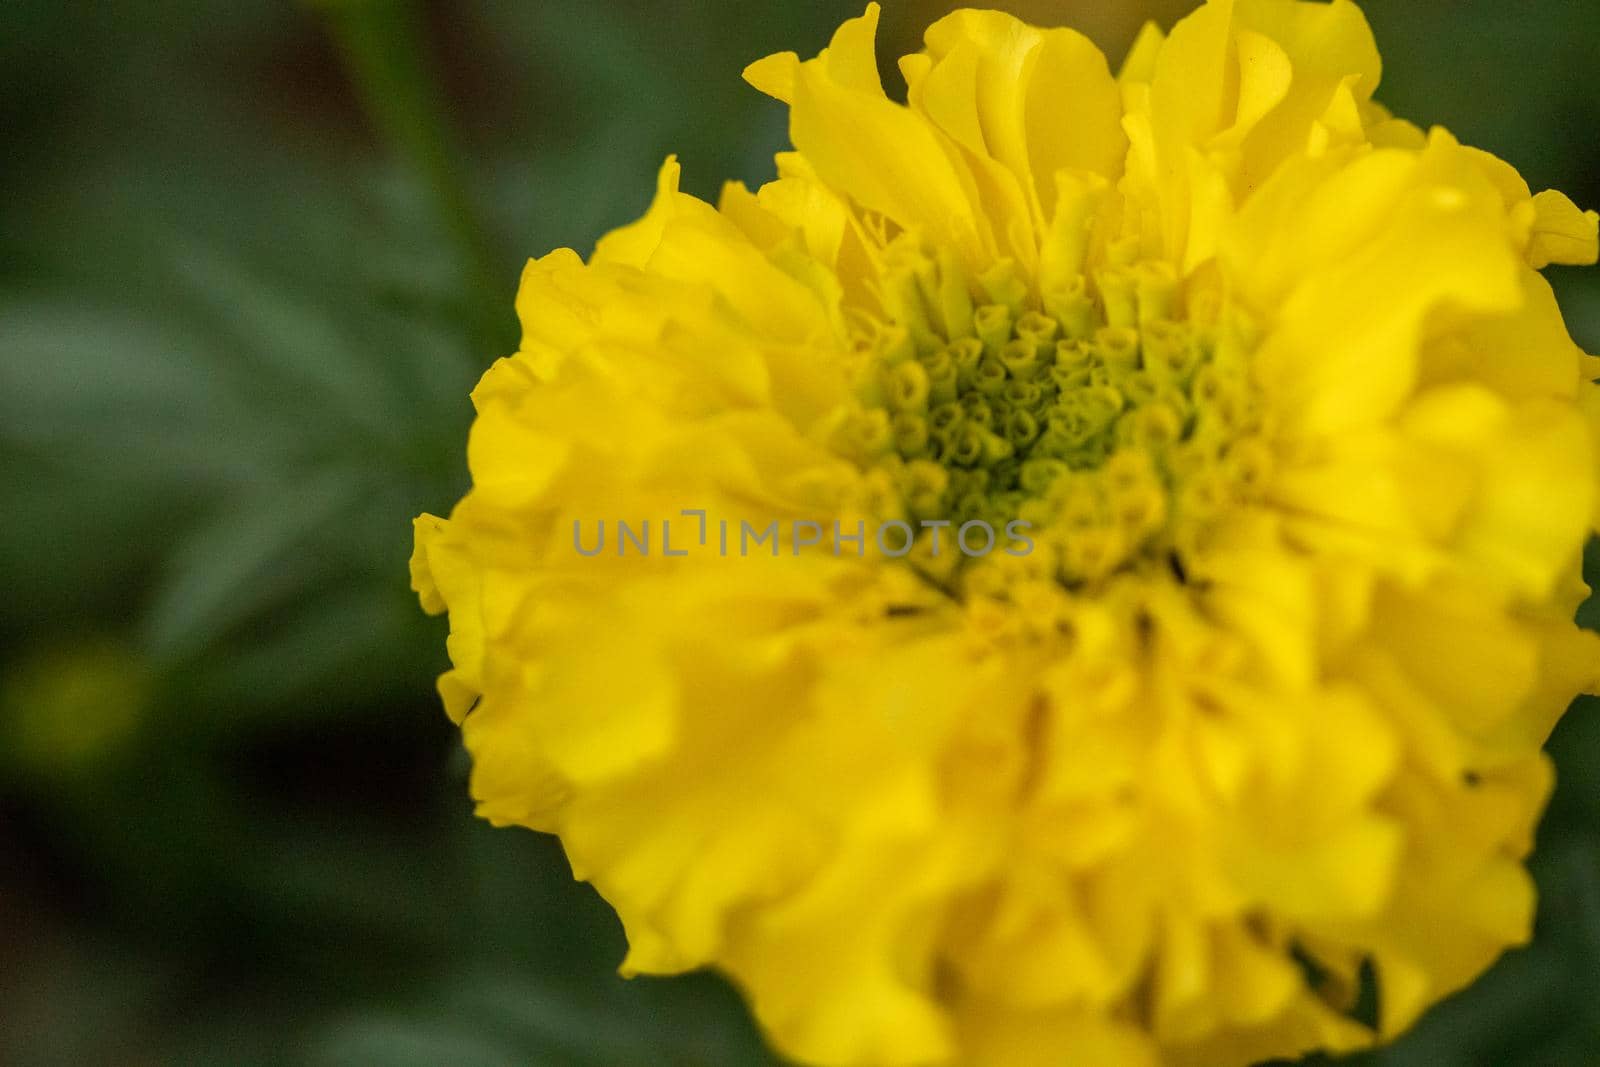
[{"x": 253, "y": 256}]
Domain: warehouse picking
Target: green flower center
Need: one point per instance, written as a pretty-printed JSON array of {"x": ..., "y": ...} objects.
[{"x": 1113, "y": 426}]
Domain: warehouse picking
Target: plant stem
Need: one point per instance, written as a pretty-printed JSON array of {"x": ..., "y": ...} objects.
[{"x": 382, "y": 45}]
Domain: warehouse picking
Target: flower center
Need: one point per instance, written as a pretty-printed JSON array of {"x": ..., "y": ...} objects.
[{"x": 1112, "y": 424}]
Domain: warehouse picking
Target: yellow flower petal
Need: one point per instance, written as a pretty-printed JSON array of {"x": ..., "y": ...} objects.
[{"x": 1562, "y": 233}]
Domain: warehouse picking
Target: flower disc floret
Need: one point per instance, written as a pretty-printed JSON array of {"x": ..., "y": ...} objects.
[{"x": 1104, "y": 416}]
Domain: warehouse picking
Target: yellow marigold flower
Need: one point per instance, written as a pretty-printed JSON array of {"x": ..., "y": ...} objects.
[{"x": 1260, "y": 460}]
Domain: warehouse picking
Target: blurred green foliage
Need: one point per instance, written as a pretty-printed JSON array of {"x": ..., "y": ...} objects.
[{"x": 253, "y": 257}]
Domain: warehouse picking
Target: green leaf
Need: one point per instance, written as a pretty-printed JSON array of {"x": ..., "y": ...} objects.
[{"x": 250, "y": 554}]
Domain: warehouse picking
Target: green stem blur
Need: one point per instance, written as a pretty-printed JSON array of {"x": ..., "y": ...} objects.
[{"x": 382, "y": 45}]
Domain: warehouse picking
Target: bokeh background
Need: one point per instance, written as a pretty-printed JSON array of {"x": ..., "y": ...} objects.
[{"x": 253, "y": 256}]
